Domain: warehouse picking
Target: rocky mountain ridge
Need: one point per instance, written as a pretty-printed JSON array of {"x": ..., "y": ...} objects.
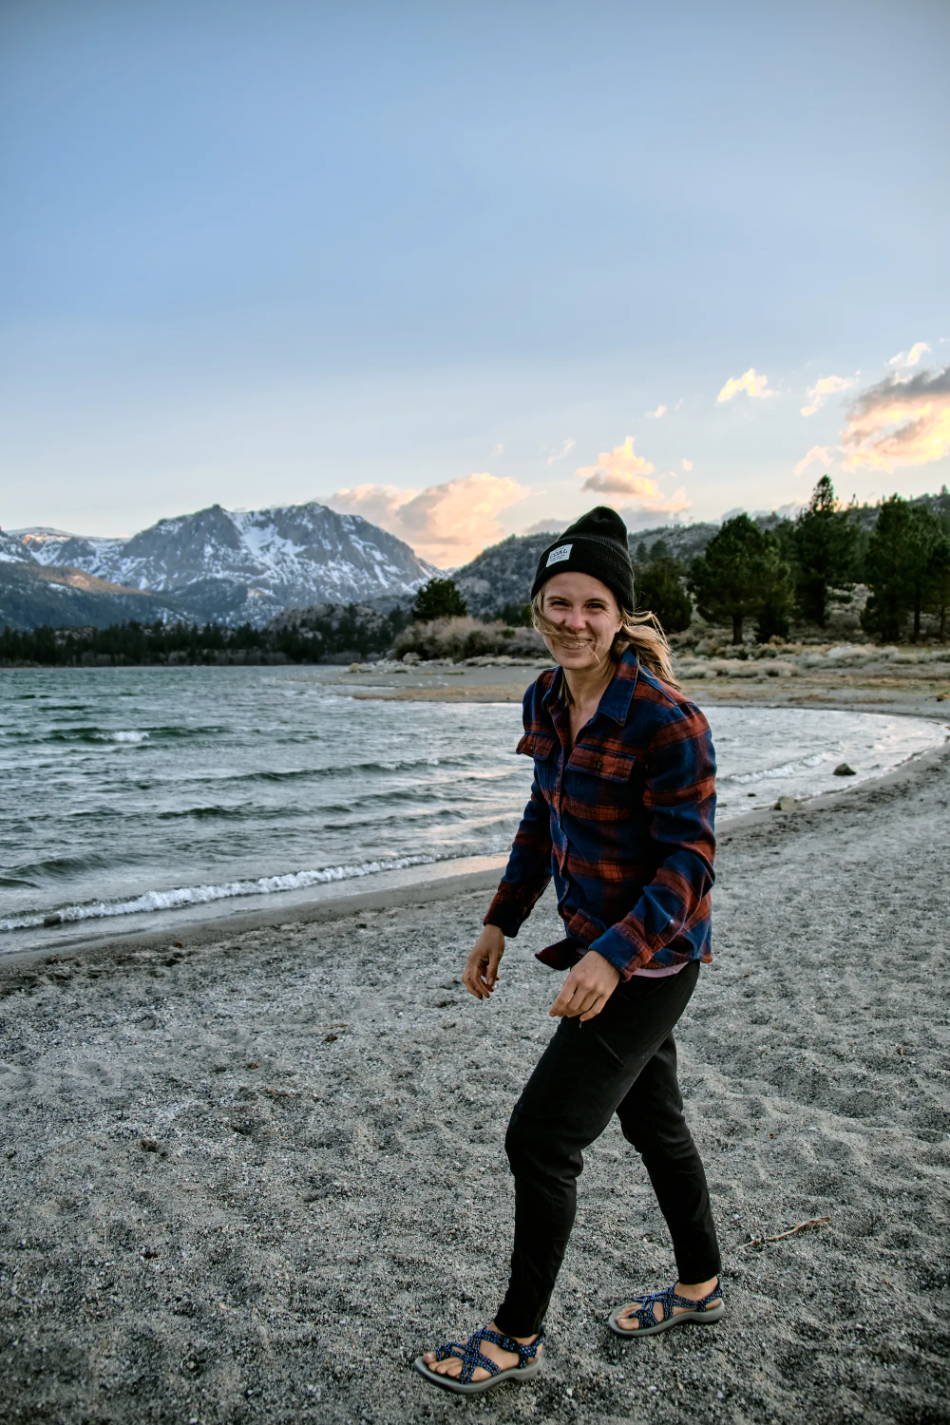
[
  {"x": 226, "y": 566},
  {"x": 502, "y": 574}
]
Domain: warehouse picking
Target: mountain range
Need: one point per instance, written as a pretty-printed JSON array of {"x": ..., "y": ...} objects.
[
  {"x": 252, "y": 566},
  {"x": 217, "y": 565}
]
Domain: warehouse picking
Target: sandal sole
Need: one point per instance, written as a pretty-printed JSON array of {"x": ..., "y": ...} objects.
[
  {"x": 475, "y": 1387},
  {"x": 682, "y": 1318}
]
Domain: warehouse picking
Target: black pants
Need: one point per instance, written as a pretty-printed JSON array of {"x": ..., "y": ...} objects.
[{"x": 623, "y": 1061}]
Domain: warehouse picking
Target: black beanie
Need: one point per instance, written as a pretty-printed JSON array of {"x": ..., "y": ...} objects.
[{"x": 596, "y": 544}]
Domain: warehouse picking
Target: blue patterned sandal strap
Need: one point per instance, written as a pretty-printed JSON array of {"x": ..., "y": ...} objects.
[
  {"x": 468, "y": 1353},
  {"x": 508, "y": 1343},
  {"x": 703, "y": 1301},
  {"x": 646, "y": 1314}
]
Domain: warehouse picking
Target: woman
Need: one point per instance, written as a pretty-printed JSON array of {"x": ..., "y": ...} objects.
[{"x": 621, "y": 813}]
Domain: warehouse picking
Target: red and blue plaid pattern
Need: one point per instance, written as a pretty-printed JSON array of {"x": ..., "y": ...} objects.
[{"x": 623, "y": 821}]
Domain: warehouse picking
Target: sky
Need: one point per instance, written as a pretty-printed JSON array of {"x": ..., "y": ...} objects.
[{"x": 469, "y": 268}]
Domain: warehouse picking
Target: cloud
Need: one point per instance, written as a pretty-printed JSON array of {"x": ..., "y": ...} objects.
[
  {"x": 824, "y": 387},
  {"x": 686, "y": 464},
  {"x": 622, "y": 472},
  {"x": 658, "y": 414},
  {"x": 818, "y": 455},
  {"x": 750, "y": 382},
  {"x": 546, "y": 527},
  {"x": 910, "y": 358},
  {"x": 566, "y": 447},
  {"x": 446, "y": 524},
  {"x": 645, "y": 516},
  {"x": 900, "y": 421},
  {"x": 618, "y": 471}
]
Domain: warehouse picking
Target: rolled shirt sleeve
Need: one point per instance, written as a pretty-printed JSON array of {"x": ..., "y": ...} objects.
[{"x": 528, "y": 871}]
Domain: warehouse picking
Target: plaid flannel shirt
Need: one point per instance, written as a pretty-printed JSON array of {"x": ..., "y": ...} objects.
[{"x": 623, "y": 821}]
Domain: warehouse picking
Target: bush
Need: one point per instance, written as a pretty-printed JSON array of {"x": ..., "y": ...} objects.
[{"x": 466, "y": 637}]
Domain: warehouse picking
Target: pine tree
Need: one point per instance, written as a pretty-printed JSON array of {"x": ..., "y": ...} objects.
[
  {"x": 902, "y": 545},
  {"x": 439, "y": 598},
  {"x": 937, "y": 597},
  {"x": 661, "y": 589},
  {"x": 823, "y": 547},
  {"x": 741, "y": 574}
]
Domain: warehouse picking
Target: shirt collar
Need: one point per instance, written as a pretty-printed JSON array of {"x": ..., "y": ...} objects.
[{"x": 617, "y": 696}]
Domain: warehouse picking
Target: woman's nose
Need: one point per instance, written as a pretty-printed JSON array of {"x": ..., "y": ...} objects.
[{"x": 574, "y": 618}]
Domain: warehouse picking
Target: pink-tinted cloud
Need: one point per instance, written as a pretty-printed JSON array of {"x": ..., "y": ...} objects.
[
  {"x": 617, "y": 470},
  {"x": 750, "y": 383},
  {"x": 563, "y": 450},
  {"x": 622, "y": 472},
  {"x": 823, "y": 388},
  {"x": 818, "y": 455},
  {"x": 686, "y": 464},
  {"x": 900, "y": 421},
  {"x": 658, "y": 413},
  {"x": 907, "y": 359},
  {"x": 446, "y": 524}
]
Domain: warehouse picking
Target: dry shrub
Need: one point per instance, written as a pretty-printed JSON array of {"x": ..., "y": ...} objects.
[{"x": 466, "y": 637}]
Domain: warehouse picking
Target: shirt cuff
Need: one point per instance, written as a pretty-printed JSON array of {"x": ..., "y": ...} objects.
[
  {"x": 617, "y": 949},
  {"x": 505, "y": 918}
]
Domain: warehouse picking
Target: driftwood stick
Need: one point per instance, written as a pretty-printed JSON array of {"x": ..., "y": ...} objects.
[{"x": 779, "y": 1236}]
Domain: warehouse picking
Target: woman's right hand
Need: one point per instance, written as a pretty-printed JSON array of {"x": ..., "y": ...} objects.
[{"x": 481, "y": 967}]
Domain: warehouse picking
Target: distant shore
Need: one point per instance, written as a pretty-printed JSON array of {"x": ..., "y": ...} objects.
[{"x": 914, "y": 682}]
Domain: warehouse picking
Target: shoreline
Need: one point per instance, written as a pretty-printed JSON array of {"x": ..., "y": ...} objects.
[
  {"x": 907, "y": 684},
  {"x": 418, "y": 885}
]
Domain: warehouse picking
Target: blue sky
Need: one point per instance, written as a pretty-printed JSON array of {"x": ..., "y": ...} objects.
[{"x": 470, "y": 268}]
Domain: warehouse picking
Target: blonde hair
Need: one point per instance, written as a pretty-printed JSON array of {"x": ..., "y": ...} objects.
[{"x": 642, "y": 632}]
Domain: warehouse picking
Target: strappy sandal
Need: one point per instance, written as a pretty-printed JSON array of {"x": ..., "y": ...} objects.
[
  {"x": 646, "y": 1313},
  {"x": 529, "y": 1362}
]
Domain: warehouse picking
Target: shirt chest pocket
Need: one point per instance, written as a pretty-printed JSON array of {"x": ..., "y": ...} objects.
[
  {"x": 539, "y": 745},
  {"x": 612, "y": 765}
]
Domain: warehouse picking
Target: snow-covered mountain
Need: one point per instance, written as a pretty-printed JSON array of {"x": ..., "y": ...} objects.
[
  {"x": 241, "y": 565},
  {"x": 12, "y": 550}
]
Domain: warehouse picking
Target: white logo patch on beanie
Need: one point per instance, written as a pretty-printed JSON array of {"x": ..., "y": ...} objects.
[{"x": 563, "y": 551}]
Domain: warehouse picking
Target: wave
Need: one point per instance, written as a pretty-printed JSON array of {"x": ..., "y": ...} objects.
[
  {"x": 780, "y": 769},
  {"x": 341, "y": 769},
  {"x": 55, "y": 867},
  {"x": 181, "y": 896},
  {"x": 149, "y": 734},
  {"x": 97, "y": 734},
  {"x": 214, "y": 813}
]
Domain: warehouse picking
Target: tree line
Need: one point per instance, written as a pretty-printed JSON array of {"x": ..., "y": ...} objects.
[
  {"x": 790, "y": 572},
  {"x": 344, "y": 631},
  {"x": 772, "y": 576}
]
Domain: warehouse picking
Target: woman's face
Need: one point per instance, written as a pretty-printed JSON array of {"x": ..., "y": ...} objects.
[{"x": 587, "y": 617}]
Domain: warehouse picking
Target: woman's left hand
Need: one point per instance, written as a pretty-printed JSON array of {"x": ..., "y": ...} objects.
[{"x": 587, "y": 988}]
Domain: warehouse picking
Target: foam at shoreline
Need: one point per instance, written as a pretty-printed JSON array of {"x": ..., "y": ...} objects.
[{"x": 389, "y": 889}]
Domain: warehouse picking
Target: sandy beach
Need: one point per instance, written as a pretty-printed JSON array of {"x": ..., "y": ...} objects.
[{"x": 246, "y": 1177}]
